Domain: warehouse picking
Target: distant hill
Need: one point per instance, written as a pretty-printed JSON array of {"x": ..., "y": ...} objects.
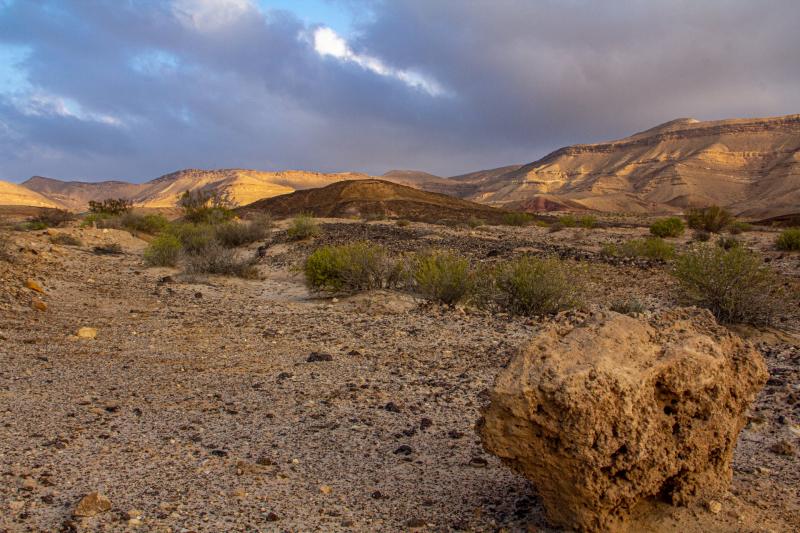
[
  {"x": 76, "y": 195},
  {"x": 13, "y": 194},
  {"x": 371, "y": 197},
  {"x": 751, "y": 166}
]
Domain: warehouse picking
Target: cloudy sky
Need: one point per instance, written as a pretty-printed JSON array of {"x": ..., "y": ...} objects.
[{"x": 132, "y": 89}]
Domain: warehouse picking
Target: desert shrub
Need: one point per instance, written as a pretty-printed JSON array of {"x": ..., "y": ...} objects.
[
  {"x": 442, "y": 276},
  {"x": 164, "y": 250},
  {"x": 738, "y": 226},
  {"x": 233, "y": 234},
  {"x": 713, "y": 219},
  {"x": 668, "y": 227},
  {"x": 94, "y": 219},
  {"x": 65, "y": 240},
  {"x": 586, "y": 221},
  {"x": 475, "y": 222},
  {"x": 373, "y": 217},
  {"x": 701, "y": 235},
  {"x": 217, "y": 259},
  {"x": 5, "y": 248},
  {"x": 151, "y": 223},
  {"x": 650, "y": 248},
  {"x": 568, "y": 221},
  {"x": 194, "y": 238},
  {"x": 789, "y": 240},
  {"x": 52, "y": 218},
  {"x": 532, "y": 286},
  {"x": 734, "y": 284},
  {"x": 402, "y": 223},
  {"x": 110, "y": 206},
  {"x": 726, "y": 243},
  {"x": 31, "y": 225},
  {"x": 628, "y": 306},
  {"x": 112, "y": 248},
  {"x": 517, "y": 218},
  {"x": 203, "y": 206},
  {"x": 351, "y": 267},
  {"x": 302, "y": 227}
]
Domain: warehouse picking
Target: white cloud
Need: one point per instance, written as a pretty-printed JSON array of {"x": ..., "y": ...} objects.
[
  {"x": 210, "y": 15},
  {"x": 40, "y": 103},
  {"x": 329, "y": 43}
]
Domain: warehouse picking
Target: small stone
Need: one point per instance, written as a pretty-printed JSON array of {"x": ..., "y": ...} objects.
[
  {"x": 28, "y": 484},
  {"x": 453, "y": 434},
  {"x": 416, "y": 523},
  {"x": 34, "y": 286},
  {"x": 714, "y": 506},
  {"x": 405, "y": 449},
  {"x": 325, "y": 489},
  {"x": 377, "y": 495},
  {"x": 392, "y": 407},
  {"x": 478, "y": 462},
  {"x": 16, "y": 505},
  {"x": 38, "y": 305},
  {"x": 272, "y": 517},
  {"x": 86, "y": 333},
  {"x": 135, "y": 514},
  {"x": 316, "y": 357},
  {"x": 425, "y": 423},
  {"x": 92, "y": 504}
]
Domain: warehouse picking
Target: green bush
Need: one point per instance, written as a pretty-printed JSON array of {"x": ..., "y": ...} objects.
[
  {"x": 442, "y": 276},
  {"x": 194, "y": 238},
  {"x": 110, "y": 206},
  {"x": 164, "y": 250},
  {"x": 668, "y": 227},
  {"x": 51, "y": 218},
  {"x": 649, "y": 248},
  {"x": 628, "y": 306},
  {"x": 351, "y": 267},
  {"x": 95, "y": 219},
  {"x": 233, "y": 234},
  {"x": 206, "y": 206},
  {"x": 587, "y": 221},
  {"x": 726, "y": 243},
  {"x": 738, "y": 226},
  {"x": 517, "y": 218},
  {"x": 475, "y": 222},
  {"x": 713, "y": 218},
  {"x": 151, "y": 223},
  {"x": 31, "y": 225},
  {"x": 734, "y": 284},
  {"x": 568, "y": 221},
  {"x": 302, "y": 227},
  {"x": 532, "y": 286},
  {"x": 65, "y": 240},
  {"x": 217, "y": 259},
  {"x": 789, "y": 240}
]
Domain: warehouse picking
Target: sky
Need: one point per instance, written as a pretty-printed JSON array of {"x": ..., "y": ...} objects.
[{"x": 134, "y": 89}]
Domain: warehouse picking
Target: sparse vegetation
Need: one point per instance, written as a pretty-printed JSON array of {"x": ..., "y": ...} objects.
[
  {"x": 217, "y": 259},
  {"x": 531, "y": 286},
  {"x": 517, "y": 218},
  {"x": 587, "y": 221},
  {"x": 712, "y": 219},
  {"x": 726, "y": 243},
  {"x": 64, "y": 239},
  {"x": 164, "y": 250},
  {"x": 628, "y": 306},
  {"x": 789, "y": 240},
  {"x": 112, "y": 248},
  {"x": 668, "y": 227},
  {"x": 351, "y": 267},
  {"x": 739, "y": 226},
  {"x": 5, "y": 248},
  {"x": 475, "y": 222},
  {"x": 151, "y": 224},
  {"x": 206, "y": 206},
  {"x": 701, "y": 235},
  {"x": 568, "y": 221},
  {"x": 402, "y": 223},
  {"x": 110, "y": 206},
  {"x": 194, "y": 238},
  {"x": 443, "y": 276},
  {"x": 302, "y": 227},
  {"x": 49, "y": 218},
  {"x": 233, "y": 234},
  {"x": 650, "y": 248},
  {"x": 734, "y": 284}
]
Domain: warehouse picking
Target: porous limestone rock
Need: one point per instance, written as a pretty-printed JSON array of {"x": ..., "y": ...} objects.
[{"x": 618, "y": 411}]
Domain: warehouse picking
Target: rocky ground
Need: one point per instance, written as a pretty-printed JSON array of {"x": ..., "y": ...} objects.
[{"x": 229, "y": 405}]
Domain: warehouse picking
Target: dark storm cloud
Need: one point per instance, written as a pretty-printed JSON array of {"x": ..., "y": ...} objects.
[{"x": 138, "y": 88}]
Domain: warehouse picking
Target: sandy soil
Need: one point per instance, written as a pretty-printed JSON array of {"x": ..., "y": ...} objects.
[{"x": 203, "y": 405}]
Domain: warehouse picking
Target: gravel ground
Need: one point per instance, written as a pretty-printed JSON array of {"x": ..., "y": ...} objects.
[{"x": 230, "y": 405}]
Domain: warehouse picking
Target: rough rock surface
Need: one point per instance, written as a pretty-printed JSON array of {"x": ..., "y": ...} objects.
[{"x": 618, "y": 411}]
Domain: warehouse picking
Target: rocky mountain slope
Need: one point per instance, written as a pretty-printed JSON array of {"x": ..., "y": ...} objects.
[
  {"x": 375, "y": 197},
  {"x": 13, "y": 194},
  {"x": 76, "y": 195},
  {"x": 751, "y": 166}
]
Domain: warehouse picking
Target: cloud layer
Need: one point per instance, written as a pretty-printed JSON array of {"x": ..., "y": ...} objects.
[{"x": 107, "y": 89}]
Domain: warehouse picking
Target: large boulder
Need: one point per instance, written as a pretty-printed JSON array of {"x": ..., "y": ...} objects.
[{"x": 617, "y": 411}]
